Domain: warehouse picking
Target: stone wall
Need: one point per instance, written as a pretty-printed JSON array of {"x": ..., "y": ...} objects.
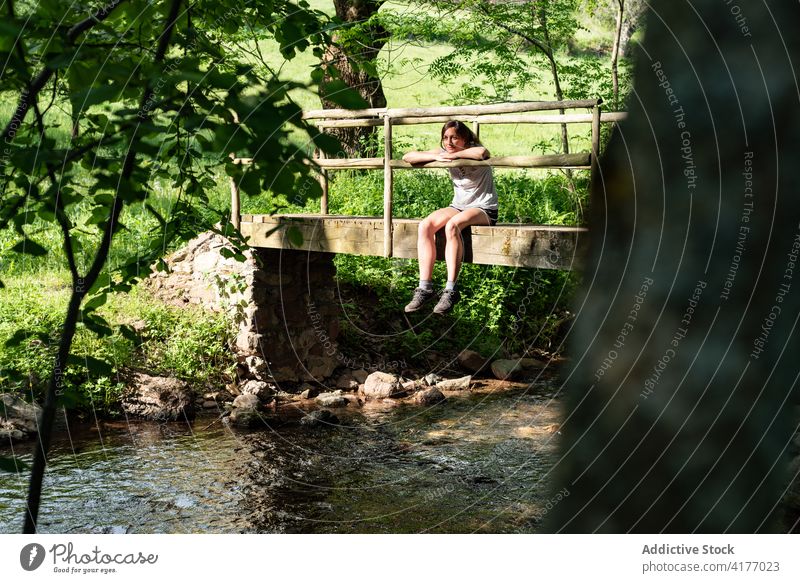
[
  {"x": 292, "y": 320},
  {"x": 284, "y": 302}
]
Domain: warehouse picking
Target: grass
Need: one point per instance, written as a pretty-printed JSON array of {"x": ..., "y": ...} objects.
[{"x": 186, "y": 343}]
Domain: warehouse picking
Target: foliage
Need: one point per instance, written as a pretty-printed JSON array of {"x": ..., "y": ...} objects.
[
  {"x": 152, "y": 95},
  {"x": 499, "y": 45},
  {"x": 188, "y": 344},
  {"x": 503, "y": 308}
]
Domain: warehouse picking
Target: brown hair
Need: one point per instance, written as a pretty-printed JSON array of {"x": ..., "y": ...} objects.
[{"x": 463, "y": 132}]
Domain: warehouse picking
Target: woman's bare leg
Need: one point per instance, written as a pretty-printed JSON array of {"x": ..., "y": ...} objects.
[
  {"x": 426, "y": 239},
  {"x": 454, "y": 251}
]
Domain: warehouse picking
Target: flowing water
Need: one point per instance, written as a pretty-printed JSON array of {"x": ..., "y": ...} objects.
[{"x": 474, "y": 463}]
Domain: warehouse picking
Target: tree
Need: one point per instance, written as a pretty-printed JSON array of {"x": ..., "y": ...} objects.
[
  {"x": 157, "y": 98},
  {"x": 493, "y": 40},
  {"x": 679, "y": 402},
  {"x": 626, "y": 16},
  {"x": 350, "y": 62}
]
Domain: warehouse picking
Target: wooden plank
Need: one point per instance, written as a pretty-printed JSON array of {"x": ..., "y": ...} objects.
[
  {"x": 575, "y": 160},
  {"x": 543, "y": 246},
  {"x": 578, "y": 160}
]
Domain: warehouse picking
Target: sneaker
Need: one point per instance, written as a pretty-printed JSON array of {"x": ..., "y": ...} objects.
[
  {"x": 447, "y": 300},
  {"x": 421, "y": 297}
]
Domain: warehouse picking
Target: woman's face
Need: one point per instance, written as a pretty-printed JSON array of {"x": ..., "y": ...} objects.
[{"x": 452, "y": 142}]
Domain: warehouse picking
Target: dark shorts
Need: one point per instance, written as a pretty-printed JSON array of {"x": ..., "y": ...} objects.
[{"x": 491, "y": 213}]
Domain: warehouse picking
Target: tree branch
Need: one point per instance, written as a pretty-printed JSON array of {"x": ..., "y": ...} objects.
[{"x": 81, "y": 288}]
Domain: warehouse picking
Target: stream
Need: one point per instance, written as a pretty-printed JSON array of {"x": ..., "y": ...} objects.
[{"x": 478, "y": 462}]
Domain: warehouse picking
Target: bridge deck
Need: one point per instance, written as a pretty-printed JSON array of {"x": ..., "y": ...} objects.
[{"x": 543, "y": 246}]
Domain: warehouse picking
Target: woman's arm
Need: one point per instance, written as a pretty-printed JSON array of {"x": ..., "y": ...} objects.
[
  {"x": 473, "y": 153},
  {"x": 421, "y": 157}
]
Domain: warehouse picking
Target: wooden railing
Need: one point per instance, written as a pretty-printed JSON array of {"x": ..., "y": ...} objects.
[{"x": 478, "y": 115}]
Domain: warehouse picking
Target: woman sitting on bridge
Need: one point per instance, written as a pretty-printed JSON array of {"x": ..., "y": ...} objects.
[{"x": 474, "y": 203}]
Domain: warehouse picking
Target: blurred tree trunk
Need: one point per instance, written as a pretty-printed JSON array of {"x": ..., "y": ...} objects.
[
  {"x": 353, "y": 55},
  {"x": 683, "y": 389}
]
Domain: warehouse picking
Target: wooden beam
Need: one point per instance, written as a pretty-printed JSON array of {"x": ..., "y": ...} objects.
[
  {"x": 579, "y": 160},
  {"x": 451, "y": 110},
  {"x": 542, "y": 246}
]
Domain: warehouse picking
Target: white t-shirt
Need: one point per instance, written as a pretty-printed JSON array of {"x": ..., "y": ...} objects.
[{"x": 473, "y": 186}]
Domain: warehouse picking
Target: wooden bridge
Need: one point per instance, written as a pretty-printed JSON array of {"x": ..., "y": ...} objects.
[{"x": 542, "y": 246}]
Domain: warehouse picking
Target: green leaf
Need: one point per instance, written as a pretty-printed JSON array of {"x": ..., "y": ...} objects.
[
  {"x": 94, "y": 303},
  {"x": 12, "y": 464},
  {"x": 342, "y": 94},
  {"x": 95, "y": 95},
  {"x": 29, "y": 247}
]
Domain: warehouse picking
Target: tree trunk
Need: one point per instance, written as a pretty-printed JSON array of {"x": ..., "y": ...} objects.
[
  {"x": 554, "y": 72},
  {"x": 615, "y": 53},
  {"x": 630, "y": 24},
  {"x": 347, "y": 56},
  {"x": 681, "y": 400}
]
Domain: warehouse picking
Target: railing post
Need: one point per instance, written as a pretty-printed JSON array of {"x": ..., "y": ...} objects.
[
  {"x": 323, "y": 183},
  {"x": 236, "y": 214},
  {"x": 387, "y": 186},
  {"x": 476, "y": 129},
  {"x": 595, "y": 145}
]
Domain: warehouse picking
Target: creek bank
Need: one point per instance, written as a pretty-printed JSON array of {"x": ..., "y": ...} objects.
[{"x": 243, "y": 403}]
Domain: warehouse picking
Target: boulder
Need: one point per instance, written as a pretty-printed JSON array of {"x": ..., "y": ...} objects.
[
  {"x": 319, "y": 418},
  {"x": 429, "y": 396},
  {"x": 409, "y": 385},
  {"x": 245, "y": 410},
  {"x": 158, "y": 398},
  {"x": 309, "y": 391},
  {"x": 459, "y": 384},
  {"x": 256, "y": 367},
  {"x": 248, "y": 401},
  {"x": 334, "y": 399},
  {"x": 532, "y": 363},
  {"x": 381, "y": 385},
  {"x": 217, "y": 397},
  {"x": 321, "y": 367},
  {"x": 18, "y": 418},
  {"x": 360, "y": 376},
  {"x": 262, "y": 390},
  {"x": 506, "y": 369},
  {"x": 347, "y": 382},
  {"x": 472, "y": 361},
  {"x": 431, "y": 379}
]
